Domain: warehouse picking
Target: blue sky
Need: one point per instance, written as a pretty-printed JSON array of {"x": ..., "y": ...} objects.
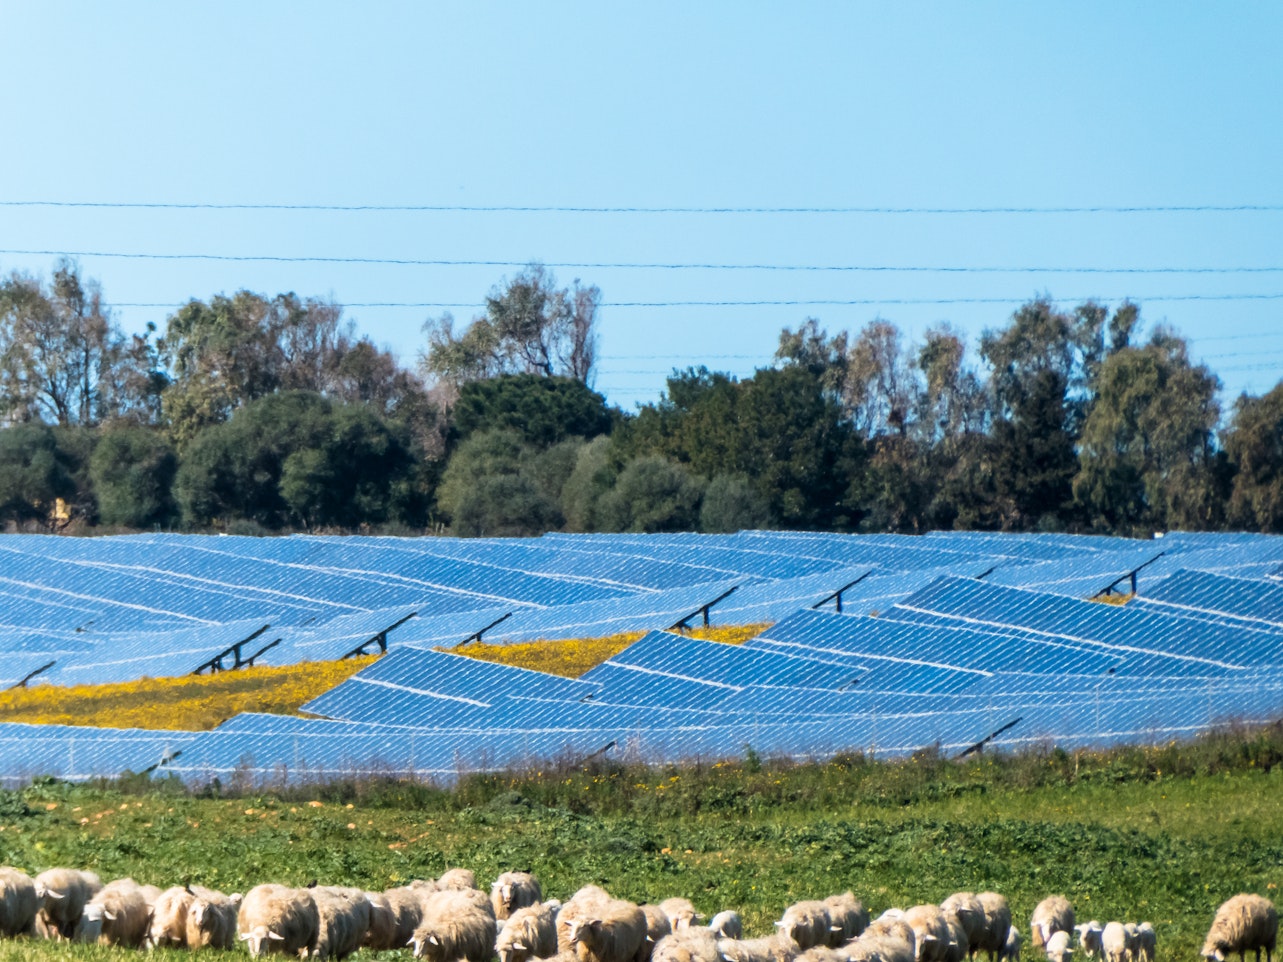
[{"x": 664, "y": 105}]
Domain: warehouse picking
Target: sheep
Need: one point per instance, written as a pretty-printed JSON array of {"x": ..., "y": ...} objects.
[
  {"x": 63, "y": 894},
  {"x": 1053, "y": 914},
  {"x": 658, "y": 924},
  {"x": 687, "y": 945},
  {"x": 1057, "y": 947},
  {"x": 887, "y": 940},
  {"x": 847, "y": 918},
  {"x": 406, "y": 905},
  {"x": 455, "y": 926},
  {"x": 959, "y": 942},
  {"x": 1242, "y": 923},
  {"x": 931, "y": 931},
  {"x": 1114, "y": 943},
  {"x": 806, "y": 923},
  {"x": 150, "y": 894},
  {"x": 529, "y": 932},
  {"x": 169, "y": 918},
  {"x": 1146, "y": 942},
  {"x": 276, "y": 918},
  {"x": 1089, "y": 934},
  {"x": 211, "y": 918},
  {"x": 579, "y": 904},
  {"x": 88, "y": 928},
  {"x": 343, "y": 921},
  {"x": 997, "y": 922},
  {"x": 774, "y": 948},
  {"x": 970, "y": 914},
  {"x": 681, "y": 913},
  {"x": 125, "y": 916},
  {"x": 459, "y": 879},
  {"x": 512, "y": 891},
  {"x": 613, "y": 931},
  {"x": 727, "y": 925},
  {"x": 18, "y": 903},
  {"x": 822, "y": 953}
]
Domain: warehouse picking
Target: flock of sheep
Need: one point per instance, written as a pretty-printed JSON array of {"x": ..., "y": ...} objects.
[{"x": 450, "y": 920}]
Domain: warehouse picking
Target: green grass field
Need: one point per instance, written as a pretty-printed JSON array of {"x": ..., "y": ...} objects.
[{"x": 1162, "y": 835}]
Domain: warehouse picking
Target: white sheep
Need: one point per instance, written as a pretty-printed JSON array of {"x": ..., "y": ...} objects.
[
  {"x": 169, "y": 919},
  {"x": 1243, "y": 923},
  {"x": 1057, "y": 947},
  {"x": 1115, "y": 943},
  {"x": 63, "y": 894},
  {"x": 847, "y": 918},
  {"x": 529, "y": 932},
  {"x": 18, "y": 903},
  {"x": 997, "y": 922},
  {"x": 456, "y": 925},
  {"x": 512, "y": 891},
  {"x": 276, "y": 918},
  {"x": 931, "y": 932},
  {"x": 394, "y": 915},
  {"x": 578, "y": 905},
  {"x": 774, "y": 948},
  {"x": 727, "y": 925},
  {"x": 611, "y": 931},
  {"x": 459, "y": 879},
  {"x": 211, "y": 918},
  {"x": 124, "y": 913},
  {"x": 1146, "y": 942},
  {"x": 1053, "y": 914},
  {"x": 806, "y": 923},
  {"x": 88, "y": 928},
  {"x": 886, "y": 941},
  {"x": 688, "y": 945},
  {"x": 681, "y": 913},
  {"x": 1089, "y": 934},
  {"x": 343, "y": 921},
  {"x": 959, "y": 942}
]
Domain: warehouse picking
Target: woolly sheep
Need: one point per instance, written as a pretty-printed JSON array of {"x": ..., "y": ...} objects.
[
  {"x": 887, "y": 941},
  {"x": 1114, "y": 942},
  {"x": 394, "y": 915},
  {"x": 1011, "y": 950},
  {"x": 931, "y": 932},
  {"x": 124, "y": 913},
  {"x": 847, "y": 918},
  {"x": 822, "y": 953},
  {"x": 966, "y": 908},
  {"x": 63, "y": 894},
  {"x": 687, "y": 945},
  {"x": 1146, "y": 942},
  {"x": 727, "y": 925},
  {"x": 169, "y": 919},
  {"x": 512, "y": 891},
  {"x": 774, "y": 948},
  {"x": 613, "y": 931},
  {"x": 343, "y": 921},
  {"x": 88, "y": 928},
  {"x": 806, "y": 923},
  {"x": 1243, "y": 923},
  {"x": 150, "y": 894},
  {"x": 658, "y": 924},
  {"x": 997, "y": 922},
  {"x": 959, "y": 942},
  {"x": 580, "y": 903},
  {"x": 276, "y": 918},
  {"x": 1057, "y": 947},
  {"x": 18, "y": 903},
  {"x": 459, "y": 879},
  {"x": 1053, "y": 914},
  {"x": 681, "y": 913},
  {"x": 455, "y": 925},
  {"x": 211, "y": 918},
  {"x": 1089, "y": 934},
  {"x": 530, "y": 931}
]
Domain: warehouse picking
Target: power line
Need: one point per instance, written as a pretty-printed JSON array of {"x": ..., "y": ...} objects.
[
  {"x": 606, "y": 265},
  {"x": 859, "y": 302},
  {"x": 567, "y": 209}
]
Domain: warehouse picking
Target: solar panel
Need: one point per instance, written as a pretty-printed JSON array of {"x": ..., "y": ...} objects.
[
  {"x": 1201, "y": 594},
  {"x": 78, "y": 754}
]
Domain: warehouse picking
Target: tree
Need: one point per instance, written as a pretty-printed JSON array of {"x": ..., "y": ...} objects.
[
  {"x": 34, "y": 476},
  {"x": 543, "y": 410},
  {"x": 530, "y": 327},
  {"x": 489, "y": 489},
  {"x": 1147, "y": 457},
  {"x": 62, "y": 358},
  {"x": 731, "y": 504},
  {"x": 652, "y": 494},
  {"x": 132, "y": 470},
  {"x": 296, "y": 458},
  {"x": 1254, "y": 445}
]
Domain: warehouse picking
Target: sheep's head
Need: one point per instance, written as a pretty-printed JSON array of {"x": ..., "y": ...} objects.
[{"x": 256, "y": 938}]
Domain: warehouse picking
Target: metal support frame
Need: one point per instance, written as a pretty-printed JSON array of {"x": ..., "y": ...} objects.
[
  {"x": 683, "y": 624},
  {"x": 980, "y": 745},
  {"x": 30, "y": 675},
  {"x": 381, "y": 639},
  {"x": 1130, "y": 577},
  {"x": 476, "y": 635},
  {"x": 836, "y": 597},
  {"x": 216, "y": 664}
]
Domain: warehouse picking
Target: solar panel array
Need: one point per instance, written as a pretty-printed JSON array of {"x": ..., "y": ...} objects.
[{"x": 877, "y": 643}]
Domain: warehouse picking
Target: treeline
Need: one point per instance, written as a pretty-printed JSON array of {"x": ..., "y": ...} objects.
[{"x": 264, "y": 414}]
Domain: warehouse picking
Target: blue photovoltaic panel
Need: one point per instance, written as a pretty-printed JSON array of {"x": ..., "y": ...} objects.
[
  {"x": 76, "y": 754},
  {"x": 1239, "y": 559},
  {"x": 1080, "y": 577},
  {"x": 337, "y": 637},
  {"x": 167, "y": 654},
  {"x": 1200, "y": 594}
]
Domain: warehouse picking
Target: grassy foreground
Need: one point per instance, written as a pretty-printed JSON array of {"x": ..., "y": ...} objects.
[{"x": 1160, "y": 834}]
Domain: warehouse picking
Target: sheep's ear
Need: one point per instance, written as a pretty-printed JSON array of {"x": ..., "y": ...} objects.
[
  {"x": 519, "y": 946},
  {"x": 275, "y": 938},
  {"x": 779, "y": 925},
  {"x": 51, "y": 894},
  {"x": 109, "y": 916},
  {"x": 235, "y": 898},
  {"x": 433, "y": 940},
  {"x": 835, "y": 928}
]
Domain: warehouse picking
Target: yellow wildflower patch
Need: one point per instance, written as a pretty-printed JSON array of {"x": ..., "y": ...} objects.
[
  {"x": 572, "y": 657},
  {"x": 1113, "y": 599},
  {"x": 192, "y": 702}
]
